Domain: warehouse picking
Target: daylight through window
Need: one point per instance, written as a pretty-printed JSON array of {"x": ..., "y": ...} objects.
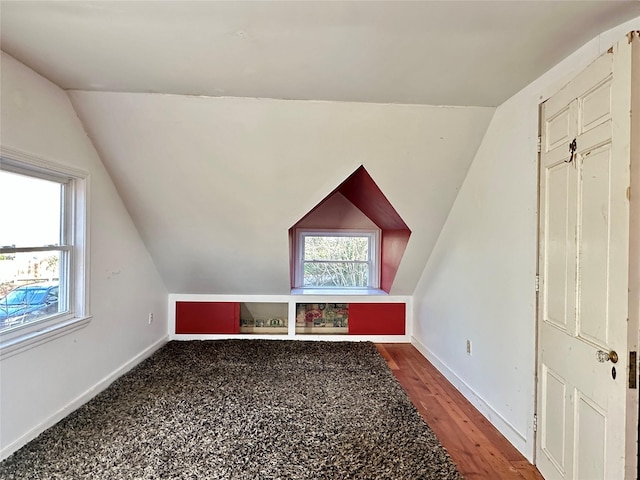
[
  {"x": 38, "y": 247},
  {"x": 337, "y": 259}
]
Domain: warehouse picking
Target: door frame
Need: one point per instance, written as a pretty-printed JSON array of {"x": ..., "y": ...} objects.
[
  {"x": 632, "y": 433},
  {"x": 632, "y": 465}
]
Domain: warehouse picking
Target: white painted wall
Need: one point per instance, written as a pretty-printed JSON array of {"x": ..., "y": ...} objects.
[
  {"x": 479, "y": 281},
  {"x": 41, "y": 385},
  {"x": 214, "y": 184}
]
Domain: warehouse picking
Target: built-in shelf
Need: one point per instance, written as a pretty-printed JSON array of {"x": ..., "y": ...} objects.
[
  {"x": 219, "y": 316},
  {"x": 270, "y": 318}
]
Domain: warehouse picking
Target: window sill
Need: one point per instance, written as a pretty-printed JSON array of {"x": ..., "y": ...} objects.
[
  {"x": 14, "y": 342},
  {"x": 337, "y": 291}
]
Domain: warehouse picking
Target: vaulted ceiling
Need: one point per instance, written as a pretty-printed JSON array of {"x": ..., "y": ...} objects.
[{"x": 307, "y": 92}]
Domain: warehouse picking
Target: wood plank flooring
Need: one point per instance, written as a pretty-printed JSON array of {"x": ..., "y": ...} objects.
[{"x": 477, "y": 448}]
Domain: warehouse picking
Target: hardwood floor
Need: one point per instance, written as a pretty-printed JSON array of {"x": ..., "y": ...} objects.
[{"x": 477, "y": 448}]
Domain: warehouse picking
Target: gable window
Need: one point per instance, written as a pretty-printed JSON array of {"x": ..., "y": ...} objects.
[
  {"x": 42, "y": 251},
  {"x": 337, "y": 259}
]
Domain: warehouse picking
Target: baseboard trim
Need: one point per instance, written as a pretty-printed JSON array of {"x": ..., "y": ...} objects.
[
  {"x": 81, "y": 399},
  {"x": 517, "y": 439}
]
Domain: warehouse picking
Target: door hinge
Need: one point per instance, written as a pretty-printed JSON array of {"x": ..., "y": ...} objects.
[
  {"x": 539, "y": 145},
  {"x": 535, "y": 422},
  {"x": 633, "y": 370},
  {"x": 537, "y": 283}
]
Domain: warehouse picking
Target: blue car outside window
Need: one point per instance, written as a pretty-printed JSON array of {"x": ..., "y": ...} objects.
[{"x": 26, "y": 296}]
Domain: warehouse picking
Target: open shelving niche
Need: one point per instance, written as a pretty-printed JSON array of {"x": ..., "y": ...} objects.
[{"x": 302, "y": 317}]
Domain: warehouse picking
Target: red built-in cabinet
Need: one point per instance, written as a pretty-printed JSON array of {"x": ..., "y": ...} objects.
[
  {"x": 377, "y": 318},
  {"x": 207, "y": 317},
  {"x": 352, "y": 318}
]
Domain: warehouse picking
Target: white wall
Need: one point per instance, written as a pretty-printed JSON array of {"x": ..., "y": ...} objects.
[
  {"x": 479, "y": 281},
  {"x": 41, "y": 385},
  {"x": 214, "y": 184}
]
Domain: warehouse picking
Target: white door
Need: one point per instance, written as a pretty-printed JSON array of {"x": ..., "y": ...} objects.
[{"x": 584, "y": 273}]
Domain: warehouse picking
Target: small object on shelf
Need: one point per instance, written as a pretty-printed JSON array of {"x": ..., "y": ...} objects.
[{"x": 264, "y": 318}]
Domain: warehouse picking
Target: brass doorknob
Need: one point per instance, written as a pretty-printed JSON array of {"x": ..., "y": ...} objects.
[{"x": 602, "y": 357}]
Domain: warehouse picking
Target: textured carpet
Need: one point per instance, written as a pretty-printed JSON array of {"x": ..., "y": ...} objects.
[{"x": 243, "y": 409}]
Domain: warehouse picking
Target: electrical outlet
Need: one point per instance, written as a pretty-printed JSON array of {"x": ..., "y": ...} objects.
[
  {"x": 469, "y": 347},
  {"x": 150, "y": 318}
]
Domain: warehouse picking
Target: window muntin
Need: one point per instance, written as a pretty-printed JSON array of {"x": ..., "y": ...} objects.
[
  {"x": 337, "y": 259},
  {"x": 37, "y": 247}
]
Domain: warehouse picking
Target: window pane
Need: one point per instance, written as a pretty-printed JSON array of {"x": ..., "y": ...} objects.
[
  {"x": 29, "y": 287},
  {"x": 336, "y": 274},
  {"x": 30, "y": 211},
  {"x": 336, "y": 248}
]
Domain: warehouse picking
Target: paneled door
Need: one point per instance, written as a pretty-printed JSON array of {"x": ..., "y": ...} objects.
[{"x": 584, "y": 273}]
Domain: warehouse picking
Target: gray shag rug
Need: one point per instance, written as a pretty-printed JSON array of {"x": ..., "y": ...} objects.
[{"x": 243, "y": 409}]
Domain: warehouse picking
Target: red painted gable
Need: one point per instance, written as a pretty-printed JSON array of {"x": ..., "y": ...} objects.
[{"x": 361, "y": 190}]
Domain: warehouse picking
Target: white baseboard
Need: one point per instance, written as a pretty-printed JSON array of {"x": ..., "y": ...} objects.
[
  {"x": 81, "y": 399},
  {"x": 517, "y": 439}
]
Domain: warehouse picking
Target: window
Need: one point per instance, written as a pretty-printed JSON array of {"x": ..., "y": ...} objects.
[
  {"x": 337, "y": 259},
  {"x": 42, "y": 251}
]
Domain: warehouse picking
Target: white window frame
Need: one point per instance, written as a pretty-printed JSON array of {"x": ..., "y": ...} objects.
[
  {"x": 74, "y": 253},
  {"x": 373, "y": 260}
]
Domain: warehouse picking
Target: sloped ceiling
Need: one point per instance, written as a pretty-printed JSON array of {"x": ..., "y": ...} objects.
[
  {"x": 214, "y": 184},
  {"x": 424, "y": 52}
]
